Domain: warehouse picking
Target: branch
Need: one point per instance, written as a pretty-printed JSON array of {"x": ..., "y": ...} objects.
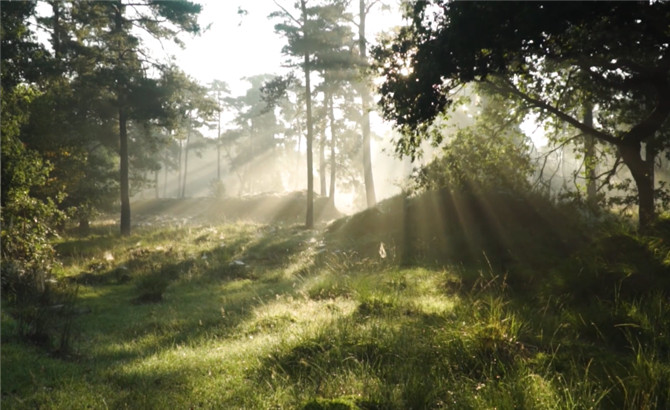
[
  {"x": 655, "y": 120},
  {"x": 618, "y": 64},
  {"x": 610, "y": 173},
  {"x": 298, "y": 22},
  {"x": 370, "y": 6},
  {"x": 560, "y": 114}
]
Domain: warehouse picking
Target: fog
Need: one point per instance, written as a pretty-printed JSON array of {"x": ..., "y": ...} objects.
[{"x": 280, "y": 171}]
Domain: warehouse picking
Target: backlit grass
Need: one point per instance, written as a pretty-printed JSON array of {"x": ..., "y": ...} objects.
[{"x": 255, "y": 316}]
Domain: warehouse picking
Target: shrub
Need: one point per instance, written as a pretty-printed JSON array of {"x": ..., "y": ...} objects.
[{"x": 152, "y": 286}]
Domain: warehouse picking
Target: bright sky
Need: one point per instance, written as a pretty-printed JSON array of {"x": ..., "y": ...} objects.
[
  {"x": 237, "y": 46},
  {"x": 234, "y": 45}
]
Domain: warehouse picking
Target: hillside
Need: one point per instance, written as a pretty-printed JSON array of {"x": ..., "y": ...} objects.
[
  {"x": 250, "y": 315},
  {"x": 269, "y": 208}
]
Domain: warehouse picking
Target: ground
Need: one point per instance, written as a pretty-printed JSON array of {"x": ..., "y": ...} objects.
[{"x": 250, "y": 315}]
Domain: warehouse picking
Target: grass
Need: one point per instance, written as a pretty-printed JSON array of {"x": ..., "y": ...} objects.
[{"x": 257, "y": 316}]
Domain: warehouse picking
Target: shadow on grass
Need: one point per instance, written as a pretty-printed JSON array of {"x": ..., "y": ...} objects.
[
  {"x": 155, "y": 299},
  {"x": 498, "y": 346}
]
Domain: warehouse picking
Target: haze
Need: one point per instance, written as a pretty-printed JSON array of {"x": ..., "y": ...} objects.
[{"x": 317, "y": 204}]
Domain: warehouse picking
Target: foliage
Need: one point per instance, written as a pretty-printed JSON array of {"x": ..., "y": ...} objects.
[
  {"x": 28, "y": 257},
  {"x": 552, "y": 58},
  {"x": 27, "y": 221},
  {"x": 472, "y": 162},
  {"x": 491, "y": 155},
  {"x": 71, "y": 127},
  {"x": 23, "y": 58}
]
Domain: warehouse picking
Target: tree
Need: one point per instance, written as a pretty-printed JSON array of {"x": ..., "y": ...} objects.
[
  {"x": 219, "y": 89},
  {"x": 532, "y": 46},
  {"x": 490, "y": 155},
  {"x": 122, "y": 65},
  {"x": 285, "y": 96},
  {"x": 252, "y": 144},
  {"x": 188, "y": 109},
  {"x": 303, "y": 34},
  {"x": 338, "y": 66},
  {"x": 23, "y": 58},
  {"x": 364, "y": 90}
]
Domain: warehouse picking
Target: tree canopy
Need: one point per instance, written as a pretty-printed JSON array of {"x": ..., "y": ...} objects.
[{"x": 554, "y": 57}]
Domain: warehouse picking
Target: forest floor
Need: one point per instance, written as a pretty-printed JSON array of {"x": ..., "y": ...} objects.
[{"x": 249, "y": 315}]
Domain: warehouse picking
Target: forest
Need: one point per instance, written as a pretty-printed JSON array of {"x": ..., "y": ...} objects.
[{"x": 424, "y": 204}]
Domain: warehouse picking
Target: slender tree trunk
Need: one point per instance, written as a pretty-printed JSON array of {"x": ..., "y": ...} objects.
[
  {"x": 333, "y": 139},
  {"x": 124, "y": 166},
  {"x": 156, "y": 183},
  {"x": 165, "y": 175},
  {"x": 188, "y": 140},
  {"x": 309, "y": 219},
  {"x": 322, "y": 164},
  {"x": 590, "y": 158},
  {"x": 181, "y": 148},
  {"x": 644, "y": 180},
  {"x": 56, "y": 35},
  {"x": 365, "y": 103},
  {"x": 218, "y": 161},
  {"x": 124, "y": 173},
  {"x": 297, "y": 160},
  {"x": 218, "y": 141}
]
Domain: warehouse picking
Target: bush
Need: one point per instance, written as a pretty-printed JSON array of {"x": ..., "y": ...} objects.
[
  {"x": 152, "y": 286},
  {"x": 44, "y": 309}
]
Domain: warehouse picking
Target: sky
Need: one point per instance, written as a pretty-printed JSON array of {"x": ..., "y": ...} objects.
[
  {"x": 238, "y": 45},
  {"x": 232, "y": 45}
]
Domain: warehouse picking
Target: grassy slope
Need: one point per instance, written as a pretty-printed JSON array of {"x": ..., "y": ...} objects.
[{"x": 307, "y": 323}]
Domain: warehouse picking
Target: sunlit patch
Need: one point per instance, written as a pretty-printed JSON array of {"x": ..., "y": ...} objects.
[{"x": 434, "y": 304}]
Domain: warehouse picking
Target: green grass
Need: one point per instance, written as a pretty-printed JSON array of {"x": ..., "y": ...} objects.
[{"x": 299, "y": 323}]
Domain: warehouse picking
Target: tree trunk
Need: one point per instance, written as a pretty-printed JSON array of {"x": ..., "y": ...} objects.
[
  {"x": 218, "y": 161},
  {"x": 179, "y": 161},
  {"x": 218, "y": 143},
  {"x": 333, "y": 139},
  {"x": 298, "y": 160},
  {"x": 165, "y": 175},
  {"x": 156, "y": 183},
  {"x": 644, "y": 180},
  {"x": 124, "y": 168},
  {"x": 309, "y": 219},
  {"x": 365, "y": 103},
  {"x": 322, "y": 164},
  {"x": 56, "y": 35},
  {"x": 188, "y": 140},
  {"x": 84, "y": 225},
  {"x": 590, "y": 158}
]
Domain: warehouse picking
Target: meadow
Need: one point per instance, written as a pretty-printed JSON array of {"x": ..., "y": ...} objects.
[{"x": 265, "y": 316}]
